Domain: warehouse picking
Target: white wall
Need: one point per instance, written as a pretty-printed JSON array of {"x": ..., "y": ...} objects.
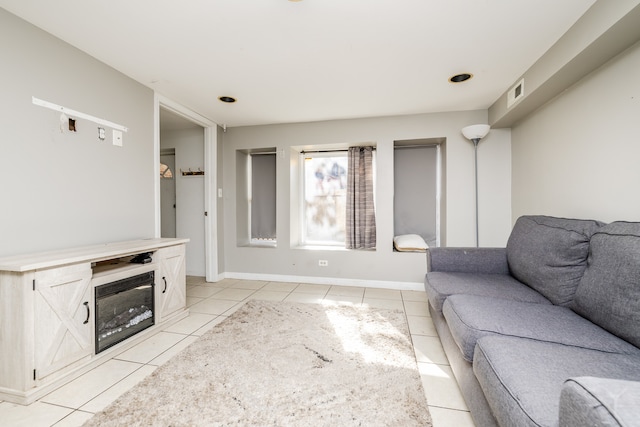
[
  {"x": 189, "y": 150},
  {"x": 63, "y": 189},
  {"x": 383, "y": 264},
  {"x": 578, "y": 155}
]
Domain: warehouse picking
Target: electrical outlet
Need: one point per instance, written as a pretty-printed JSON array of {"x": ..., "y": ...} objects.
[{"x": 323, "y": 263}]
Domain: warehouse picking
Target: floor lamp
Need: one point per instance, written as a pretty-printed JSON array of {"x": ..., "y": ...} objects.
[{"x": 475, "y": 133}]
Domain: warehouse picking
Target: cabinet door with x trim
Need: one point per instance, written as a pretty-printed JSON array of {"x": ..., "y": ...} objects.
[
  {"x": 63, "y": 324},
  {"x": 171, "y": 281}
]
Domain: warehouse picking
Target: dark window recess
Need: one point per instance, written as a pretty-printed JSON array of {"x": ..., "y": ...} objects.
[
  {"x": 415, "y": 171},
  {"x": 123, "y": 308},
  {"x": 263, "y": 197}
]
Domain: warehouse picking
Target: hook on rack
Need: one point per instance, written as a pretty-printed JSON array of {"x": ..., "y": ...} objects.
[{"x": 191, "y": 172}]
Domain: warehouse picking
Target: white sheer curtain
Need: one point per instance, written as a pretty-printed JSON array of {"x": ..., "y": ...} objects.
[{"x": 361, "y": 215}]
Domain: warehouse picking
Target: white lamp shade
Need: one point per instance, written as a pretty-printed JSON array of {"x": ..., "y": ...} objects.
[{"x": 475, "y": 131}]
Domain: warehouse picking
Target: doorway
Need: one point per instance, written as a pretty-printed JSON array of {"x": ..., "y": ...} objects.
[
  {"x": 182, "y": 196},
  {"x": 209, "y": 207}
]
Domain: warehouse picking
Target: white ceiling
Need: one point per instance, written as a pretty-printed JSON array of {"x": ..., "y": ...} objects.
[{"x": 312, "y": 60}]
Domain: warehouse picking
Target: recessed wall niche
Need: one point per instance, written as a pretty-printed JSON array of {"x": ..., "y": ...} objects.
[
  {"x": 256, "y": 197},
  {"x": 419, "y": 189}
]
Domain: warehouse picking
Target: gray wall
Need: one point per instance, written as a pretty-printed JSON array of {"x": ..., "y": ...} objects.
[
  {"x": 578, "y": 155},
  {"x": 287, "y": 261},
  {"x": 63, "y": 189}
]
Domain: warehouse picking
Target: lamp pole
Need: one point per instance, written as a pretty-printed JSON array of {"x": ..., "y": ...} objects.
[
  {"x": 475, "y": 152},
  {"x": 475, "y": 133}
]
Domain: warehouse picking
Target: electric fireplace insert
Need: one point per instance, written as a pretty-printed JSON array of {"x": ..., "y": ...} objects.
[{"x": 123, "y": 308}]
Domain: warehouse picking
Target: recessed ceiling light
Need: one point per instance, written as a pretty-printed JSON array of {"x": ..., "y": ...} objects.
[
  {"x": 459, "y": 78},
  {"x": 227, "y": 99}
]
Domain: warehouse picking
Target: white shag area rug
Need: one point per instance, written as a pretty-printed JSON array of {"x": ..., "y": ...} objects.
[{"x": 285, "y": 364}]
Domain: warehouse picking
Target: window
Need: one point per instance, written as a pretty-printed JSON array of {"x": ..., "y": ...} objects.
[
  {"x": 262, "y": 197},
  {"x": 324, "y": 198},
  {"x": 256, "y": 197},
  {"x": 416, "y": 204}
]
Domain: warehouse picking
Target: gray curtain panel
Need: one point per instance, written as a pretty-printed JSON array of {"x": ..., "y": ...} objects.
[
  {"x": 263, "y": 196},
  {"x": 361, "y": 215}
]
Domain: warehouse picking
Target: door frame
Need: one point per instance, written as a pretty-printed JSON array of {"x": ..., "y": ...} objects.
[{"x": 210, "y": 178}]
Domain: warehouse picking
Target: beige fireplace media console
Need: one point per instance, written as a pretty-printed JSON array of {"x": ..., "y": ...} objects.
[{"x": 47, "y": 310}]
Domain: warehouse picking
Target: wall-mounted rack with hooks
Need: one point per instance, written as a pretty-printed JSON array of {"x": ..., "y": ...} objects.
[
  {"x": 191, "y": 172},
  {"x": 77, "y": 114}
]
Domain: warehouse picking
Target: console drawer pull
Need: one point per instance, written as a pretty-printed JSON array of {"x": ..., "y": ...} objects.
[{"x": 86, "y": 304}]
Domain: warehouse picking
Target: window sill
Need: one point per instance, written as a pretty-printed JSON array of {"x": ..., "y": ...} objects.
[
  {"x": 320, "y": 248},
  {"x": 271, "y": 245},
  {"x": 330, "y": 248}
]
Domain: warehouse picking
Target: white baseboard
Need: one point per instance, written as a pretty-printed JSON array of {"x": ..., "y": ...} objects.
[{"x": 402, "y": 286}]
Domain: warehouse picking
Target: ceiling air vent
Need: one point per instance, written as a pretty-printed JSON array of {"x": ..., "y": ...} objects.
[{"x": 515, "y": 93}]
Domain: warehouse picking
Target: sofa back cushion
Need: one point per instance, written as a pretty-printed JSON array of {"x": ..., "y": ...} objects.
[
  {"x": 609, "y": 292},
  {"x": 550, "y": 254}
]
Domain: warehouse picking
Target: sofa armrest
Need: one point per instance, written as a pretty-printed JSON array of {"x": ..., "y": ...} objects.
[
  {"x": 590, "y": 401},
  {"x": 468, "y": 260}
]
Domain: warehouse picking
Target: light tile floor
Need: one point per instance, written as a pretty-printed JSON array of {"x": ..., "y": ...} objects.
[{"x": 211, "y": 303}]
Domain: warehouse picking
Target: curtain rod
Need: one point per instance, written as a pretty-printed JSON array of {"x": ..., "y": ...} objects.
[
  {"x": 337, "y": 150},
  {"x": 416, "y": 146}
]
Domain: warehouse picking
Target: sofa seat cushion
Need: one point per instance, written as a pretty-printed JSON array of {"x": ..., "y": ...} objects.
[
  {"x": 589, "y": 401},
  {"x": 609, "y": 292},
  {"x": 550, "y": 254},
  {"x": 471, "y": 317},
  {"x": 439, "y": 285},
  {"x": 522, "y": 379}
]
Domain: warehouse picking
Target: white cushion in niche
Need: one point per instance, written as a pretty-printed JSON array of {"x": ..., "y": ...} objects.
[{"x": 410, "y": 243}]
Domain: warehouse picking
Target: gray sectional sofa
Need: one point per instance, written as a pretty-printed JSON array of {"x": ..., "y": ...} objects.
[{"x": 544, "y": 332}]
